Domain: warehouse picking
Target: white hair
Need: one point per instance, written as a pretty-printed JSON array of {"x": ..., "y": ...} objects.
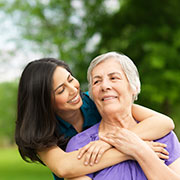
[{"x": 127, "y": 65}]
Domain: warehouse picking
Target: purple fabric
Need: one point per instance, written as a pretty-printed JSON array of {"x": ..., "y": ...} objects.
[{"x": 128, "y": 169}]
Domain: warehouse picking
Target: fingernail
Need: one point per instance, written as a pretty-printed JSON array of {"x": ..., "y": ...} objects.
[
  {"x": 86, "y": 163},
  {"x": 102, "y": 137},
  {"x": 79, "y": 157},
  {"x": 91, "y": 164}
]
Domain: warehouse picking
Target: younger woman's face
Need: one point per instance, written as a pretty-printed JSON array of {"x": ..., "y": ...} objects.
[{"x": 66, "y": 91}]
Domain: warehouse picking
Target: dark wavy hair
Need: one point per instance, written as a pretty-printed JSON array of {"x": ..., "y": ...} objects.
[{"x": 36, "y": 124}]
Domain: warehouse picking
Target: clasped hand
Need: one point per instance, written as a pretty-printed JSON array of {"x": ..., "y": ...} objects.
[
  {"x": 128, "y": 143},
  {"x": 123, "y": 140},
  {"x": 93, "y": 151}
]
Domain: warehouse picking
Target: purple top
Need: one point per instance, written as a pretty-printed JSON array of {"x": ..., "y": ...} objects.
[{"x": 128, "y": 169}]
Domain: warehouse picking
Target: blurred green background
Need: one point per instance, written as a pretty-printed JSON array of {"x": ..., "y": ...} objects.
[{"x": 77, "y": 31}]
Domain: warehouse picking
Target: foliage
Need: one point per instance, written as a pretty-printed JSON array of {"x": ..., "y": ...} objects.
[
  {"x": 77, "y": 31},
  {"x": 13, "y": 167},
  {"x": 148, "y": 32},
  {"x": 8, "y": 94}
]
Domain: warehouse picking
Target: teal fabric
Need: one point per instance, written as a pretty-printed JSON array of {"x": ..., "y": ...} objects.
[{"x": 91, "y": 117}]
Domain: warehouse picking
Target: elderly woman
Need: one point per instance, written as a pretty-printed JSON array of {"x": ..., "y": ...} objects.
[{"x": 114, "y": 85}]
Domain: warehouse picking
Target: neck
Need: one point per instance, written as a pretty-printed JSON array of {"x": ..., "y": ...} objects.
[
  {"x": 75, "y": 118},
  {"x": 112, "y": 121}
]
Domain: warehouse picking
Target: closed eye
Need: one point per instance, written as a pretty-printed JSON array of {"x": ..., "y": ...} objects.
[
  {"x": 61, "y": 90},
  {"x": 114, "y": 78},
  {"x": 70, "y": 80},
  {"x": 96, "y": 82}
]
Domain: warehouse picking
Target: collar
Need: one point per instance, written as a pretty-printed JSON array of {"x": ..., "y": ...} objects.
[{"x": 64, "y": 123}]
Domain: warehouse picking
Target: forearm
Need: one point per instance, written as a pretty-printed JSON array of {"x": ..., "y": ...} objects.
[
  {"x": 67, "y": 165},
  {"x": 80, "y": 178},
  {"x": 152, "y": 125},
  {"x": 153, "y": 167}
]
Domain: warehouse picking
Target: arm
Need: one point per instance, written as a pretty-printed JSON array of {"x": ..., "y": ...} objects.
[
  {"x": 156, "y": 169},
  {"x": 153, "y": 125},
  {"x": 129, "y": 143},
  {"x": 67, "y": 165},
  {"x": 152, "y": 166},
  {"x": 80, "y": 178}
]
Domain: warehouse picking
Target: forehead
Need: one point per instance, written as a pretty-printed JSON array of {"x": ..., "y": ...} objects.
[
  {"x": 107, "y": 66},
  {"x": 60, "y": 74}
]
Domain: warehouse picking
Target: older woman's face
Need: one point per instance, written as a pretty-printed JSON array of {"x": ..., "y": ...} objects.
[{"x": 110, "y": 88}]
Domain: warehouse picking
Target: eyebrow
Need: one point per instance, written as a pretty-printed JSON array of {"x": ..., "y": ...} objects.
[
  {"x": 62, "y": 83},
  {"x": 97, "y": 76},
  {"x": 110, "y": 74},
  {"x": 115, "y": 73}
]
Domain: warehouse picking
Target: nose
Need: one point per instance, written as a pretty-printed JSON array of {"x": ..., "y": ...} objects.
[{"x": 105, "y": 85}]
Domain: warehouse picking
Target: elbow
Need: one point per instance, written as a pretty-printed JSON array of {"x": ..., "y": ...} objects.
[
  {"x": 61, "y": 173},
  {"x": 65, "y": 171},
  {"x": 168, "y": 122},
  {"x": 171, "y": 124},
  {"x": 64, "y": 174}
]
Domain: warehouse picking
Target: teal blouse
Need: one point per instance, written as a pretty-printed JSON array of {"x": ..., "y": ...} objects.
[{"x": 91, "y": 117}]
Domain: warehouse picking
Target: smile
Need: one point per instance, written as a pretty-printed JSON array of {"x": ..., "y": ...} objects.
[
  {"x": 108, "y": 98},
  {"x": 74, "y": 100}
]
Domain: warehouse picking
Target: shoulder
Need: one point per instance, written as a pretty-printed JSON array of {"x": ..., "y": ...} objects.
[
  {"x": 170, "y": 138},
  {"x": 173, "y": 146},
  {"x": 87, "y": 101},
  {"x": 89, "y": 110},
  {"x": 83, "y": 138}
]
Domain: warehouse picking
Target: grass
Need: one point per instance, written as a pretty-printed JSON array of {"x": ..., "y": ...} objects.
[{"x": 12, "y": 167}]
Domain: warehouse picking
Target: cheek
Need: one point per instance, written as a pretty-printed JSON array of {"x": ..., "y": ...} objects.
[
  {"x": 122, "y": 89},
  {"x": 94, "y": 92},
  {"x": 60, "y": 101}
]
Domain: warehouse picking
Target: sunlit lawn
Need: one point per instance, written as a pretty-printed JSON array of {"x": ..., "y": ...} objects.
[{"x": 12, "y": 167}]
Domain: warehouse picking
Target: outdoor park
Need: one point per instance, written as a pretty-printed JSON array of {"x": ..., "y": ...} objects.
[{"x": 76, "y": 31}]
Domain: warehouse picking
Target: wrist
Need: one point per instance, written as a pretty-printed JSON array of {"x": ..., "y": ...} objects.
[{"x": 141, "y": 150}]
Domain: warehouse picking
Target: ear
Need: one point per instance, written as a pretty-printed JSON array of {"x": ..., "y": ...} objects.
[
  {"x": 134, "y": 93},
  {"x": 133, "y": 89}
]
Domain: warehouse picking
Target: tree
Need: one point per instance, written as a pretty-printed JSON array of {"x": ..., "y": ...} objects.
[
  {"x": 149, "y": 33},
  {"x": 77, "y": 31},
  {"x": 8, "y": 97}
]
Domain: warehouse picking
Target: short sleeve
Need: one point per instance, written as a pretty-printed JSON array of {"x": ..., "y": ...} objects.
[
  {"x": 90, "y": 175},
  {"x": 78, "y": 142},
  {"x": 173, "y": 147},
  {"x": 83, "y": 139}
]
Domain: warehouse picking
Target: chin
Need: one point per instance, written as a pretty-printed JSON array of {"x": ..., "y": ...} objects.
[
  {"x": 80, "y": 104},
  {"x": 113, "y": 108}
]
